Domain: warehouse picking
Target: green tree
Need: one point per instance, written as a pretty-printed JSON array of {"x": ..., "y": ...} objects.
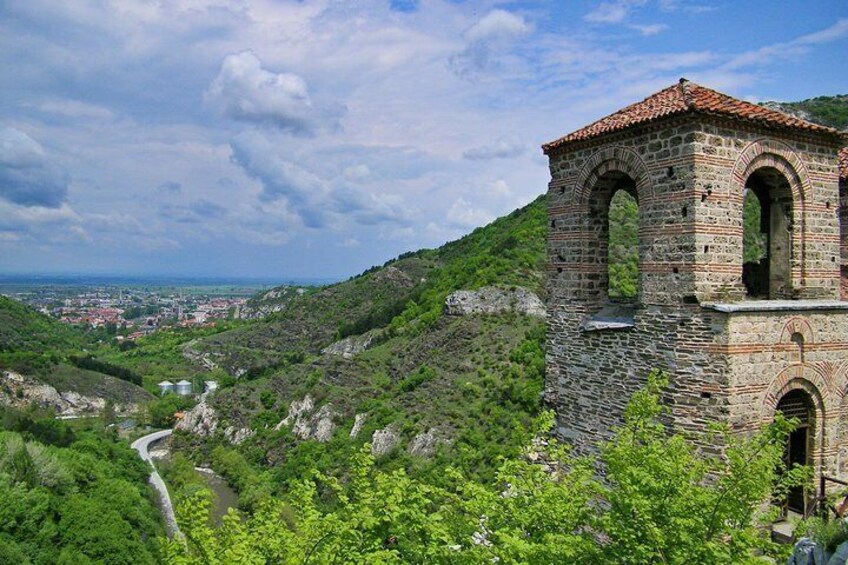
[
  {"x": 662, "y": 501},
  {"x": 623, "y": 260}
]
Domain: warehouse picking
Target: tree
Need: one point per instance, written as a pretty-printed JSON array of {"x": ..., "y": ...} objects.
[{"x": 662, "y": 501}]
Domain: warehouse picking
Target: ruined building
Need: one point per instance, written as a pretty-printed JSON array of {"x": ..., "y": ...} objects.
[{"x": 739, "y": 342}]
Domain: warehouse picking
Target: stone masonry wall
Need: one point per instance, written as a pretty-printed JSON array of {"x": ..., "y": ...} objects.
[
  {"x": 766, "y": 362},
  {"x": 688, "y": 176},
  {"x": 724, "y": 158}
]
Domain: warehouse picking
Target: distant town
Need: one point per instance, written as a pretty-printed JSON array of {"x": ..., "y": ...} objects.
[{"x": 129, "y": 312}]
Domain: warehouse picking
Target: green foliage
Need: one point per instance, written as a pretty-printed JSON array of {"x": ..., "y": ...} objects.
[
  {"x": 830, "y": 111},
  {"x": 661, "y": 502},
  {"x": 252, "y": 485},
  {"x": 24, "y": 329},
  {"x": 90, "y": 363},
  {"x": 83, "y": 499},
  {"x": 753, "y": 240},
  {"x": 161, "y": 411},
  {"x": 829, "y": 534},
  {"x": 416, "y": 379},
  {"x": 623, "y": 248}
]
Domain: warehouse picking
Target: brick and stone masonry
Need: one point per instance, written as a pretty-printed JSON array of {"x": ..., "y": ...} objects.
[{"x": 732, "y": 349}]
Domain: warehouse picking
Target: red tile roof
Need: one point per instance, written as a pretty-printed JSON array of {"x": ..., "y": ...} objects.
[
  {"x": 687, "y": 97},
  {"x": 843, "y": 164}
]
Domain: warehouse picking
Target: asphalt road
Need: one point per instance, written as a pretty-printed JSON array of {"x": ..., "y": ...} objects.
[{"x": 141, "y": 445}]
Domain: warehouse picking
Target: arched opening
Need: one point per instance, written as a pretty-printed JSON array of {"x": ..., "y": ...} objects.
[
  {"x": 614, "y": 223},
  {"x": 767, "y": 235},
  {"x": 797, "y": 404}
]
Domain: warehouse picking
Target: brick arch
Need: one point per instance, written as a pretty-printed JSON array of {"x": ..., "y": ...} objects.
[
  {"x": 770, "y": 153},
  {"x": 797, "y": 377},
  {"x": 797, "y": 325},
  {"x": 613, "y": 159}
]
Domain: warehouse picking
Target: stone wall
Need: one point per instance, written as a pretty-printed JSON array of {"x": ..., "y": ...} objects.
[
  {"x": 688, "y": 175},
  {"x": 772, "y": 353}
]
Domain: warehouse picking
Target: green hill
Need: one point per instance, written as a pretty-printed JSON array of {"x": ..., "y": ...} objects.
[
  {"x": 404, "y": 293},
  {"x": 24, "y": 329},
  {"x": 469, "y": 385},
  {"x": 826, "y": 110},
  {"x": 53, "y": 353}
]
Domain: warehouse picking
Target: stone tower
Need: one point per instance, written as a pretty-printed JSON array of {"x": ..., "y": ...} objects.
[{"x": 739, "y": 342}]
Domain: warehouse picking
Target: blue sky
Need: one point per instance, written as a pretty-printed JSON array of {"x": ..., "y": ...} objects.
[{"x": 317, "y": 138}]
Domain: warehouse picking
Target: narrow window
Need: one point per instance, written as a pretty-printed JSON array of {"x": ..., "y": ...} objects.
[{"x": 623, "y": 260}]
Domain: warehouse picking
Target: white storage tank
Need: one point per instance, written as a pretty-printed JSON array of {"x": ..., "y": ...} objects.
[
  {"x": 183, "y": 388},
  {"x": 166, "y": 386}
]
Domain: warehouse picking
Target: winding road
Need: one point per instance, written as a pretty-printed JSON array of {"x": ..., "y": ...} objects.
[{"x": 141, "y": 445}]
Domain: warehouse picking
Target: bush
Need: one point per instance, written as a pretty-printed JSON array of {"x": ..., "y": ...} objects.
[{"x": 660, "y": 502}]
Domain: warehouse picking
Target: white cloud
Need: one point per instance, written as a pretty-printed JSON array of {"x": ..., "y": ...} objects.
[
  {"x": 245, "y": 91},
  {"x": 487, "y": 40},
  {"x": 498, "y": 25},
  {"x": 790, "y": 49},
  {"x": 316, "y": 198},
  {"x": 503, "y": 148},
  {"x": 76, "y": 109},
  {"x": 613, "y": 12},
  {"x": 650, "y": 29},
  {"x": 463, "y": 214}
]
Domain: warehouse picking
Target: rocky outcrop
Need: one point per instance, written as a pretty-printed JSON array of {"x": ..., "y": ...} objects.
[
  {"x": 202, "y": 420},
  {"x": 494, "y": 300},
  {"x": 21, "y": 391},
  {"x": 237, "y": 435},
  {"x": 394, "y": 276},
  {"x": 426, "y": 443},
  {"x": 384, "y": 441},
  {"x": 201, "y": 357},
  {"x": 306, "y": 423},
  {"x": 275, "y": 300},
  {"x": 353, "y": 345},
  {"x": 358, "y": 422}
]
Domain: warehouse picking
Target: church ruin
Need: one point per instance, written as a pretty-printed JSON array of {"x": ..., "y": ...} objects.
[{"x": 739, "y": 341}]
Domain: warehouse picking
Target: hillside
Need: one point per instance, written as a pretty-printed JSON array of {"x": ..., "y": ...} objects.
[
  {"x": 404, "y": 292},
  {"x": 826, "y": 110},
  {"x": 24, "y": 329},
  {"x": 378, "y": 359},
  {"x": 47, "y": 352}
]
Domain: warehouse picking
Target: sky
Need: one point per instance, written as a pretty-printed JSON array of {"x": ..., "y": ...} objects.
[{"x": 316, "y": 138}]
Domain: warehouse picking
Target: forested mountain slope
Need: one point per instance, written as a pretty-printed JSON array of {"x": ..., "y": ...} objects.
[{"x": 48, "y": 352}]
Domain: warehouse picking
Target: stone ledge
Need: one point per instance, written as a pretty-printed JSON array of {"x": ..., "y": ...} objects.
[
  {"x": 777, "y": 306},
  {"x": 601, "y": 325}
]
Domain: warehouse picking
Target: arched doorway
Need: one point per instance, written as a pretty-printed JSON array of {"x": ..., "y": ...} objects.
[{"x": 797, "y": 404}]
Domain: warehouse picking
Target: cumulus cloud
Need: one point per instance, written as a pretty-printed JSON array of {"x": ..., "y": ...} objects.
[
  {"x": 314, "y": 197},
  {"x": 245, "y": 91},
  {"x": 500, "y": 149},
  {"x": 26, "y": 176},
  {"x": 462, "y": 214},
  {"x": 619, "y": 12},
  {"x": 487, "y": 39}
]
